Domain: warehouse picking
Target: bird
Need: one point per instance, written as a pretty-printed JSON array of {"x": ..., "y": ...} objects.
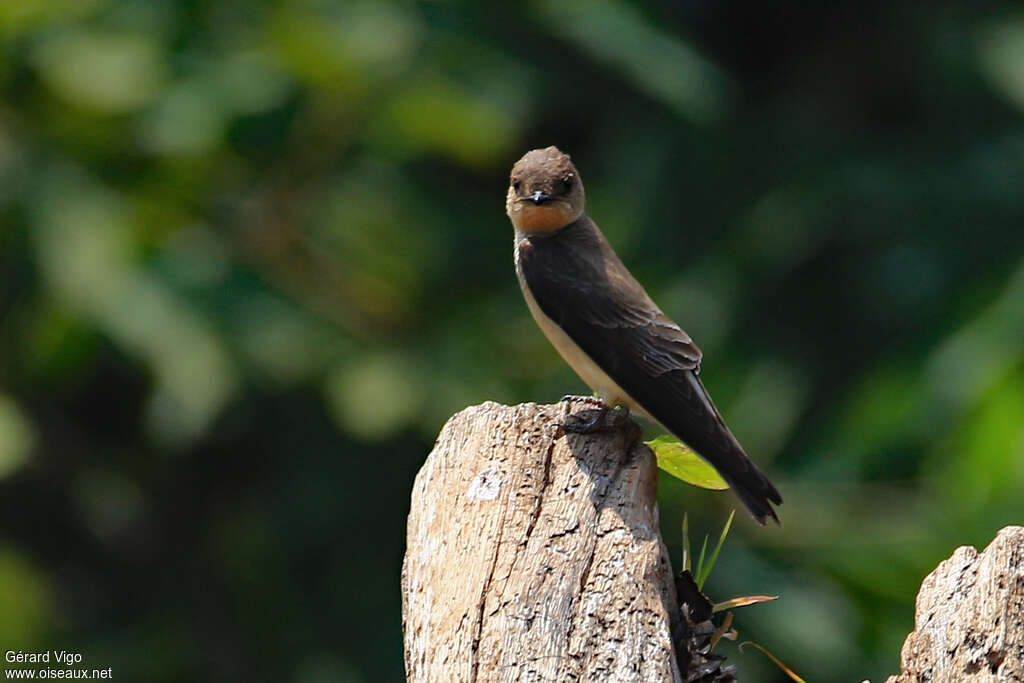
[{"x": 609, "y": 330}]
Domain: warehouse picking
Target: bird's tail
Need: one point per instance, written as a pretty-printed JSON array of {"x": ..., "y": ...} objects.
[
  {"x": 748, "y": 483},
  {"x": 703, "y": 430}
]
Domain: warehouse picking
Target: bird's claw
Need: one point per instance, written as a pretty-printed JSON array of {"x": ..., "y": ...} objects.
[
  {"x": 575, "y": 424},
  {"x": 590, "y": 400}
]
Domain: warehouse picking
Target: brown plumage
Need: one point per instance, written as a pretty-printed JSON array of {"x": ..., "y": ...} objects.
[{"x": 606, "y": 326}]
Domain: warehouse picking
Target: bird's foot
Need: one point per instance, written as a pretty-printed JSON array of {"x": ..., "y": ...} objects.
[
  {"x": 590, "y": 400},
  {"x": 577, "y": 424}
]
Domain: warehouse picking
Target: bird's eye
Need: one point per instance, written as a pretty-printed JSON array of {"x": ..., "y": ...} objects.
[
  {"x": 515, "y": 185},
  {"x": 568, "y": 184}
]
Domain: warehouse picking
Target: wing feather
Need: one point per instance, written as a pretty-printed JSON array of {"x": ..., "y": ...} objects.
[{"x": 591, "y": 295}]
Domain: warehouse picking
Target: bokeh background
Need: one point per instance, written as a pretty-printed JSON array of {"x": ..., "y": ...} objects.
[{"x": 254, "y": 254}]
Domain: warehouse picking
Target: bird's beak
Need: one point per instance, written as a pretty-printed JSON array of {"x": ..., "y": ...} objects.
[{"x": 538, "y": 198}]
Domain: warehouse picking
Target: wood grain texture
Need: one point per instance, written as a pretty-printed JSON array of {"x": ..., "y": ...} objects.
[
  {"x": 969, "y": 619},
  {"x": 534, "y": 555}
]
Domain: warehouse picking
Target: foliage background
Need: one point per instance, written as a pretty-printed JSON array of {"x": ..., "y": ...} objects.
[{"x": 253, "y": 254}]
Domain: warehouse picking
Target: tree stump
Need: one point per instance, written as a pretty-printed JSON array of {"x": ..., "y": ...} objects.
[
  {"x": 969, "y": 619},
  {"x": 535, "y": 555}
]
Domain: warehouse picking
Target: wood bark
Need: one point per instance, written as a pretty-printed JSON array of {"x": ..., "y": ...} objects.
[
  {"x": 535, "y": 555},
  {"x": 969, "y": 619}
]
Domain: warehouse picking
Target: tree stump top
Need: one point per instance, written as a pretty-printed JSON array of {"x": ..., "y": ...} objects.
[
  {"x": 535, "y": 555},
  {"x": 969, "y": 619}
]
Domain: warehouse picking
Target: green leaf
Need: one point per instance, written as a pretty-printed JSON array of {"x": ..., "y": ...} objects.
[
  {"x": 686, "y": 543},
  {"x": 679, "y": 461},
  {"x": 700, "y": 562},
  {"x": 705, "y": 571}
]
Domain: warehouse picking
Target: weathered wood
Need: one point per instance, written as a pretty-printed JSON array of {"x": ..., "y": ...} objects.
[
  {"x": 535, "y": 555},
  {"x": 969, "y": 620}
]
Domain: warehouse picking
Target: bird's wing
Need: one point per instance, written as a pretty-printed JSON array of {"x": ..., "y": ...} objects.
[
  {"x": 605, "y": 310},
  {"x": 580, "y": 284}
]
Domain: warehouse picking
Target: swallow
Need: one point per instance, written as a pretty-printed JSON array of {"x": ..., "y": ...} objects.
[{"x": 607, "y": 328}]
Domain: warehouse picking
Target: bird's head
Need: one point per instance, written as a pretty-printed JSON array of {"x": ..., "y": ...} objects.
[{"x": 545, "y": 192}]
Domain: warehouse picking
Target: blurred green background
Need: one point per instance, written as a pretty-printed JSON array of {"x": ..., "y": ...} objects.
[{"x": 254, "y": 254}]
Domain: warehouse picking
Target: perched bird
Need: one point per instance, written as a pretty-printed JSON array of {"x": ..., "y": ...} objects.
[{"x": 607, "y": 328}]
